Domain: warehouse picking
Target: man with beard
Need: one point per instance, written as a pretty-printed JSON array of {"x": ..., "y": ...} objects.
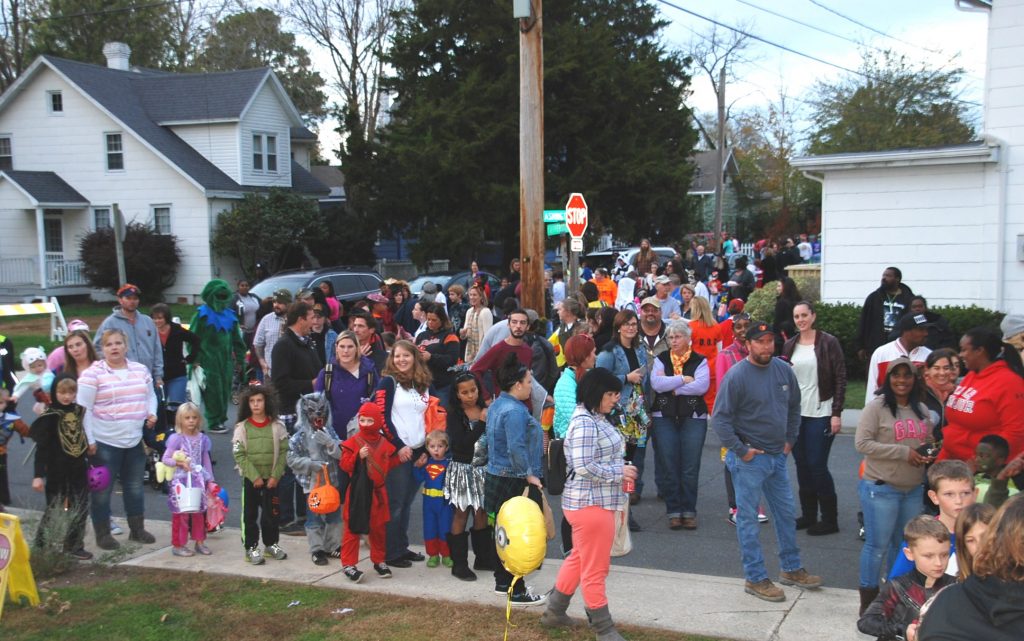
[
  {"x": 486, "y": 367},
  {"x": 143, "y": 340},
  {"x": 757, "y": 418},
  {"x": 370, "y": 344}
]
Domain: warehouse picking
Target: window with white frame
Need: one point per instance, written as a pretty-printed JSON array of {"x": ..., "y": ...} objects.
[
  {"x": 55, "y": 103},
  {"x": 264, "y": 152},
  {"x": 101, "y": 218},
  {"x": 162, "y": 219},
  {"x": 115, "y": 152},
  {"x": 6, "y": 154}
]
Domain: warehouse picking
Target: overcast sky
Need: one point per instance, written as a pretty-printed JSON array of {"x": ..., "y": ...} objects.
[{"x": 926, "y": 30}]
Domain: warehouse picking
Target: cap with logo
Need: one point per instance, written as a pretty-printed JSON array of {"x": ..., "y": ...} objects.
[
  {"x": 128, "y": 290},
  {"x": 913, "y": 321},
  {"x": 283, "y": 296},
  {"x": 650, "y": 300},
  {"x": 758, "y": 329}
]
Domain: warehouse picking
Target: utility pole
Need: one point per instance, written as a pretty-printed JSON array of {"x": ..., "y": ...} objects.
[
  {"x": 531, "y": 158},
  {"x": 720, "y": 169}
]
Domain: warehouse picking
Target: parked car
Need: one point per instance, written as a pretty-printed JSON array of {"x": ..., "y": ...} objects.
[
  {"x": 351, "y": 283},
  {"x": 606, "y": 257},
  {"x": 444, "y": 280}
]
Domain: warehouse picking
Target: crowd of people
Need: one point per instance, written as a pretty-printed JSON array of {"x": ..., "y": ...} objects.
[{"x": 459, "y": 399}]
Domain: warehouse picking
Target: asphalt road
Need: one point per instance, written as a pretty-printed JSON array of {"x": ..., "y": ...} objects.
[{"x": 712, "y": 549}]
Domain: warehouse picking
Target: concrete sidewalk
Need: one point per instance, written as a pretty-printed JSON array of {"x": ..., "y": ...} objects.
[{"x": 675, "y": 601}]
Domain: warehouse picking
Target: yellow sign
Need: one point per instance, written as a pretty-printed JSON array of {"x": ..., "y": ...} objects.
[{"x": 15, "y": 572}]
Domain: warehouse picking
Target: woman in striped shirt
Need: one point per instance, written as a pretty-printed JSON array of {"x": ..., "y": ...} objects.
[
  {"x": 119, "y": 402},
  {"x": 593, "y": 494}
]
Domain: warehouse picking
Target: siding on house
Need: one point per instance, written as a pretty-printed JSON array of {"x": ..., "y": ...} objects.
[
  {"x": 218, "y": 143},
  {"x": 266, "y": 116},
  {"x": 73, "y": 146},
  {"x": 931, "y": 222}
]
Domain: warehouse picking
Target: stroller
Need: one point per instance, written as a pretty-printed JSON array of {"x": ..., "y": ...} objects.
[{"x": 155, "y": 440}]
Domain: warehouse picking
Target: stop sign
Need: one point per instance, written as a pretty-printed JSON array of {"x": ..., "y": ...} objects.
[{"x": 576, "y": 215}]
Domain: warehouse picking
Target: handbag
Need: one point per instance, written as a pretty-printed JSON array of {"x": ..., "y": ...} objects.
[
  {"x": 622, "y": 544},
  {"x": 555, "y": 470},
  {"x": 436, "y": 416},
  {"x": 324, "y": 497},
  {"x": 545, "y": 508},
  {"x": 188, "y": 498}
]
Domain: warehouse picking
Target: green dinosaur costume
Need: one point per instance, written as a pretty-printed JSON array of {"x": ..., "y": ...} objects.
[{"x": 221, "y": 351}]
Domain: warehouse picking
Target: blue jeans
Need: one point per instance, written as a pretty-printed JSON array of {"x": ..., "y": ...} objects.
[
  {"x": 443, "y": 394},
  {"x": 128, "y": 465},
  {"x": 680, "y": 442},
  {"x": 402, "y": 491},
  {"x": 174, "y": 391},
  {"x": 810, "y": 453},
  {"x": 767, "y": 474},
  {"x": 886, "y": 511}
]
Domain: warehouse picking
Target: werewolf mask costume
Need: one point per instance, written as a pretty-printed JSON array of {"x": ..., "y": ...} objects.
[{"x": 221, "y": 350}]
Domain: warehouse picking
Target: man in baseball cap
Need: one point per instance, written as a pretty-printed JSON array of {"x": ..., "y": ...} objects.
[
  {"x": 757, "y": 418},
  {"x": 269, "y": 330},
  {"x": 670, "y": 306},
  {"x": 652, "y": 327},
  {"x": 913, "y": 329},
  {"x": 143, "y": 340}
]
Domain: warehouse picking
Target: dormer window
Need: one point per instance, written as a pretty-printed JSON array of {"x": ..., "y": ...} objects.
[
  {"x": 55, "y": 103},
  {"x": 264, "y": 152}
]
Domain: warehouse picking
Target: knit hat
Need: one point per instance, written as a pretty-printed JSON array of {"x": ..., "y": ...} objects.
[
  {"x": 283, "y": 296},
  {"x": 736, "y": 306},
  {"x": 76, "y": 324},
  {"x": 32, "y": 355},
  {"x": 371, "y": 410},
  {"x": 1012, "y": 325}
]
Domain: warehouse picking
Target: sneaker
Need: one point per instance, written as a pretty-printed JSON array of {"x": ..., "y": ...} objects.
[
  {"x": 220, "y": 526},
  {"x": 274, "y": 551},
  {"x": 528, "y": 598},
  {"x": 320, "y": 558},
  {"x": 353, "y": 573},
  {"x": 761, "y": 516},
  {"x": 182, "y": 551},
  {"x": 336, "y": 554},
  {"x": 218, "y": 429},
  {"x": 81, "y": 554},
  {"x": 115, "y": 529},
  {"x": 252, "y": 555},
  {"x": 202, "y": 549},
  {"x": 413, "y": 556},
  {"x": 765, "y": 590},
  {"x": 295, "y": 528},
  {"x": 383, "y": 571},
  {"x": 447, "y": 562},
  {"x": 800, "y": 579},
  {"x": 732, "y": 516},
  {"x": 433, "y": 561},
  {"x": 400, "y": 562}
]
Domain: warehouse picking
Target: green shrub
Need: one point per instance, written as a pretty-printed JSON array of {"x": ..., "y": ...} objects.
[
  {"x": 761, "y": 303},
  {"x": 841, "y": 320},
  {"x": 809, "y": 286},
  {"x": 962, "y": 319}
]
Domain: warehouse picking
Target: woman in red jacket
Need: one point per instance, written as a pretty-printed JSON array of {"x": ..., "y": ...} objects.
[{"x": 990, "y": 399}]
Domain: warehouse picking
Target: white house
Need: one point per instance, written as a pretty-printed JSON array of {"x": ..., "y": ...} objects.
[
  {"x": 951, "y": 218},
  {"x": 172, "y": 150}
]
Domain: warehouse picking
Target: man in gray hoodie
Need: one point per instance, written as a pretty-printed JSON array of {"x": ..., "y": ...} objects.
[
  {"x": 757, "y": 418},
  {"x": 143, "y": 340}
]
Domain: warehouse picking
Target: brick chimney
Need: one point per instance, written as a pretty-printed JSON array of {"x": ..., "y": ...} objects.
[{"x": 118, "y": 55}]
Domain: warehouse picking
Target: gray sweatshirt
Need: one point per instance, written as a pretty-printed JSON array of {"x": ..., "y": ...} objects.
[
  {"x": 143, "y": 340},
  {"x": 757, "y": 407}
]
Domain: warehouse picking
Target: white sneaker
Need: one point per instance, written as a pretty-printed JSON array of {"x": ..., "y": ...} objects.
[
  {"x": 252, "y": 555},
  {"x": 761, "y": 516},
  {"x": 115, "y": 529}
]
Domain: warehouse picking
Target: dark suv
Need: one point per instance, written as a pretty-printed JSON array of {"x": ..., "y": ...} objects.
[{"x": 351, "y": 283}]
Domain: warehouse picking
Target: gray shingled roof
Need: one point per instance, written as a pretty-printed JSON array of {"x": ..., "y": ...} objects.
[
  {"x": 306, "y": 183},
  {"x": 704, "y": 175},
  {"x": 301, "y": 133},
  {"x": 198, "y": 96},
  {"x": 46, "y": 187},
  {"x": 120, "y": 92}
]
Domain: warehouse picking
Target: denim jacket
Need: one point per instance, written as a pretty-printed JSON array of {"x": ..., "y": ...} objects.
[
  {"x": 514, "y": 445},
  {"x": 614, "y": 359}
]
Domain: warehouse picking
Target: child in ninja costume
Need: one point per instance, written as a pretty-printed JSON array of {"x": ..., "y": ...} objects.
[
  {"x": 437, "y": 511},
  {"x": 367, "y": 457}
]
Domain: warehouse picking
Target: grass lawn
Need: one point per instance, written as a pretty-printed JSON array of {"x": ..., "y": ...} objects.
[
  {"x": 30, "y": 331},
  {"x": 102, "y": 603},
  {"x": 855, "y": 390}
]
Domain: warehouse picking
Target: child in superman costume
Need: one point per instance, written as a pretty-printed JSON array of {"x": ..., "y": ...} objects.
[
  {"x": 437, "y": 511},
  {"x": 221, "y": 352}
]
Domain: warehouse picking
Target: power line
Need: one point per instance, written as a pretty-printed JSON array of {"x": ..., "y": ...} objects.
[
  {"x": 754, "y": 36},
  {"x": 868, "y": 27},
  {"x": 98, "y": 12}
]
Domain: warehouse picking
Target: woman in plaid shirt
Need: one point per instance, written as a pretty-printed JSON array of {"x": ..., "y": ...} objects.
[{"x": 593, "y": 494}]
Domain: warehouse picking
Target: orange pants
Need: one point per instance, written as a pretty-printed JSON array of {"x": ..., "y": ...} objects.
[
  {"x": 593, "y": 529},
  {"x": 350, "y": 545}
]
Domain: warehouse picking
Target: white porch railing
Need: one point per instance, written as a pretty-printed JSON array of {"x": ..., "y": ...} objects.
[
  {"x": 19, "y": 271},
  {"x": 64, "y": 273},
  {"x": 25, "y": 271}
]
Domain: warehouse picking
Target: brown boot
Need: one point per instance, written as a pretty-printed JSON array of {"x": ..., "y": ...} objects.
[
  {"x": 867, "y": 595},
  {"x": 800, "y": 579},
  {"x": 765, "y": 590}
]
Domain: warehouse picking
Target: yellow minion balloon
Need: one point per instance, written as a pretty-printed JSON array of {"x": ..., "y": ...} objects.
[{"x": 520, "y": 536}]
